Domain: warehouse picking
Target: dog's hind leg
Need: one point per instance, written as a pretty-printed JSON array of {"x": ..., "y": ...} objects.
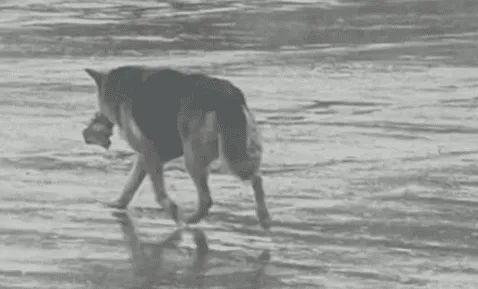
[
  {"x": 197, "y": 161},
  {"x": 200, "y": 175},
  {"x": 155, "y": 168},
  {"x": 247, "y": 168},
  {"x": 134, "y": 180},
  {"x": 248, "y": 171},
  {"x": 255, "y": 180},
  {"x": 259, "y": 196}
]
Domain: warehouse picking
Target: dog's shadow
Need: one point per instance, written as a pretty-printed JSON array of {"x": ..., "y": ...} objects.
[{"x": 151, "y": 268}]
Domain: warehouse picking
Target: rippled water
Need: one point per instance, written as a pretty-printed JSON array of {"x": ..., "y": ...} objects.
[{"x": 368, "y": 114}]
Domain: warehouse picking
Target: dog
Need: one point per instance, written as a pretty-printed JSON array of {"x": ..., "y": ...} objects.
[{"x": 164, "y": 114}]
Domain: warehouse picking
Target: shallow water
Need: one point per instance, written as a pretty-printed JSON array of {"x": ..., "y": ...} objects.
[{"x": 368, "y": 115}]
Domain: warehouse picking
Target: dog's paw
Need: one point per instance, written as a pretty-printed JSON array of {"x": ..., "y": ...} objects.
[
  {"x": 115, "y": 205},
  {"x": 265, "y": 223}
]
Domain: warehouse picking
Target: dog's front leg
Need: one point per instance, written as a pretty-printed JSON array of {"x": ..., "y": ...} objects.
[
  {"x": 135, "y": 178},
  {"x": 155, "y": 169}
]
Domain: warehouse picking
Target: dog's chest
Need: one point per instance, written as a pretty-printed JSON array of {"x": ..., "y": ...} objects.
[{"x": 130, "y": 132}]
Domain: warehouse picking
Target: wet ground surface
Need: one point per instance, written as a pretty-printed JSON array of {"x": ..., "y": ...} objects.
[{"x": 368, "y": 114}]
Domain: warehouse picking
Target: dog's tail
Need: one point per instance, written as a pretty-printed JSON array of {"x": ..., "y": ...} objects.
[{"x": 230, "y": 112}]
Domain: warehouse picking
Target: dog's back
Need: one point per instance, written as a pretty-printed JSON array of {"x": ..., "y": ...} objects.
[{"x": 158, "y": 96}]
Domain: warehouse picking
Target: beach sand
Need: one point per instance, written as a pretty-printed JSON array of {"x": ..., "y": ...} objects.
[{"x": 368, "y": 113}]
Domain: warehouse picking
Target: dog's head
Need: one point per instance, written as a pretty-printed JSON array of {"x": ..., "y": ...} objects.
[
  {"x": 100, "y": 128},
  {"x": 99, "y": 131}
]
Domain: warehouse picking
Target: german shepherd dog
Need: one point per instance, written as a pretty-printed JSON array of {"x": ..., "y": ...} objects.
[{"x": 164, "y": 114}]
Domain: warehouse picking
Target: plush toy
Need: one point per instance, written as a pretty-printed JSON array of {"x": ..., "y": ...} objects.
[{"x": 99, "y": 131}]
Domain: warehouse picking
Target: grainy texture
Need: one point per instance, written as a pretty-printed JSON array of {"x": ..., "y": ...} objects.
[{"x": 368, "y": 112}]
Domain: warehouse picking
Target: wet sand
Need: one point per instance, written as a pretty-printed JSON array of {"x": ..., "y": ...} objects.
[{"x": 368, "y": 111}]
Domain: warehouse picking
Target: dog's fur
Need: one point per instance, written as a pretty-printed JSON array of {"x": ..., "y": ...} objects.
[{"x": 163, "y": 114}]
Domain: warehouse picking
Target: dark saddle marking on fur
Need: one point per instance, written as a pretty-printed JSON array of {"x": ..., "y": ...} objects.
[
  {"x": 154, "y": 96},
  {"x": 159, "y": 95}
]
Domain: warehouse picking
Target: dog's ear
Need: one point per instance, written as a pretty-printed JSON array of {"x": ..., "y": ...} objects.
[{"x": 97, "y": 76}]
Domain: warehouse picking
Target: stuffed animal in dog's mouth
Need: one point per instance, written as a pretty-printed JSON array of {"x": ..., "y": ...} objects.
[{"x": 99, "y": 131}]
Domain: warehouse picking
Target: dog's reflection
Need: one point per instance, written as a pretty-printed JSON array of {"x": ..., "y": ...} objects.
[{"x": 150, "y": 266}]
